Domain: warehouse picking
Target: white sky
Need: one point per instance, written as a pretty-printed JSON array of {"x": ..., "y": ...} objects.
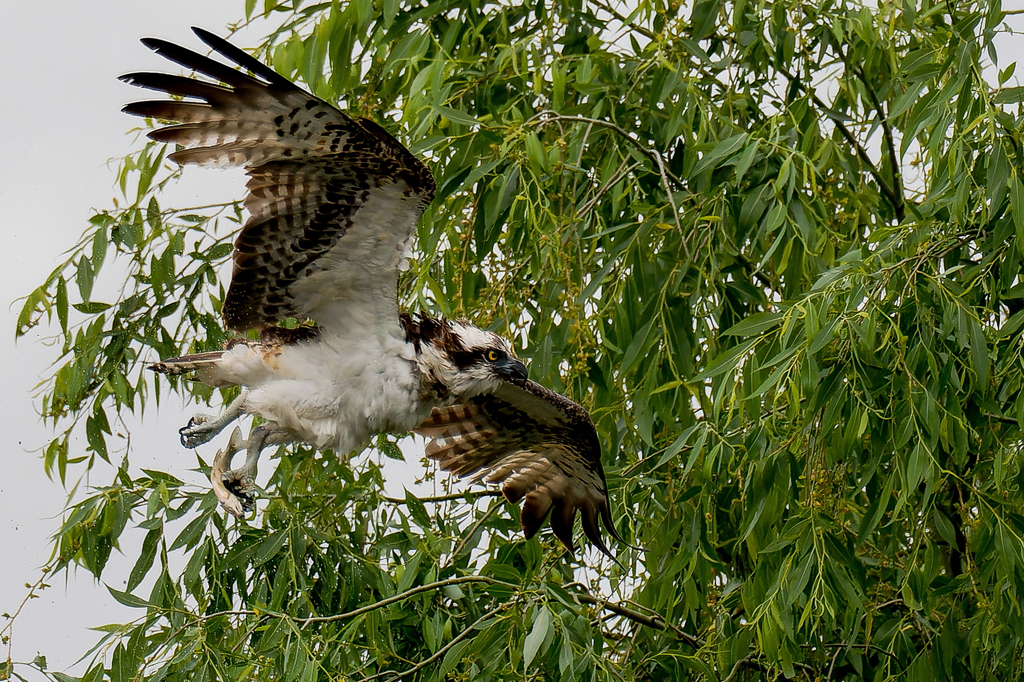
[
  {"x": 59, "y": 111},
  {"x": 60, "y": 108}
]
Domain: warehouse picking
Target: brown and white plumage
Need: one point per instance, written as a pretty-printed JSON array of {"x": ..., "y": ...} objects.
[
  {"x": 333, "y": 203},
  {"x": 540, "y": 446}
]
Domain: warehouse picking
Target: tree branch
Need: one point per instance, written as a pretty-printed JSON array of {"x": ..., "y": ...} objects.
[
  {"x": 894, "y": 199},
  {"x": 883, "y": 119},
  {"x": 399, "y": 597},
  {"x": 362, "y": 609},
  {"x": 548, "y": 116},
  {"x": 656, "y": 621},
  {"x": 440, "y": 652},
  {"x": 467, "y": 495}
]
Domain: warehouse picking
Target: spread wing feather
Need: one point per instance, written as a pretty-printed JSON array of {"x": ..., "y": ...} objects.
[
  {"x": 541, "y": 448},
  {"x": 333, "y": 199}
]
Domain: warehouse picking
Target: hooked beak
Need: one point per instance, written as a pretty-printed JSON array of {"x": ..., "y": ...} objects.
[{"x": 513, "y": 370}]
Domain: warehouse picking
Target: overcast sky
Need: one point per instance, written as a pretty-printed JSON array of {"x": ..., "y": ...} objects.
[{"x": 59, "y": 113}]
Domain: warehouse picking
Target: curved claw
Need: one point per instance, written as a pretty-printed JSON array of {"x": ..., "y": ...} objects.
[
  {"x": 243, "y": 489},
  {"x": 219, "y": 474},
  {"x": 196, "y": 432}
]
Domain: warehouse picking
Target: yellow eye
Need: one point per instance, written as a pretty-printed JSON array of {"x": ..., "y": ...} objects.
[{"x": 492, "y": 355}]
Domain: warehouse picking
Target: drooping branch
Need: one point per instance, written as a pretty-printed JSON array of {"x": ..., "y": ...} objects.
[
  {"x": 466, "y": 495},
  {"x": 883, "y": 120},
  {"x": 362, "y": 609},
  {"x": 548, "y": 116},
  {"x": 894, "y": 198},
  {"x": 440, "y": 652}
]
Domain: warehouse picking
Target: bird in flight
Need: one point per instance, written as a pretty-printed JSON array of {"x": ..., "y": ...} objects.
[{"x": 333, "y": 200}]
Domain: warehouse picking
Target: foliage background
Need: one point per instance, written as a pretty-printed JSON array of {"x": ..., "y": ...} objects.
[{"x": 775, "y": 248}]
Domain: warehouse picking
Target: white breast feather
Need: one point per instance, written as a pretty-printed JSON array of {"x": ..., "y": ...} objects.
[{"x": 333, "y": 392}]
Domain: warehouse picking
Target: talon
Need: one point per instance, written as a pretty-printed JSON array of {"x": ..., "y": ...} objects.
[
  {"x": 243, "y": 489},
  {"x": 196, "y": 432},
  {"x": 219, "y": 476}
]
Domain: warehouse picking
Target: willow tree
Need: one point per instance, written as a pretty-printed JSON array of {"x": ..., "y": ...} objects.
[{"x": 774, "y": 247}]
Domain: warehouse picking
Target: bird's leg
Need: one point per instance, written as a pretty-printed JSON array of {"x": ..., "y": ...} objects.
[
  {"x": 236, "y": 488},
  {"x": 202, "y": 428},
  {"x": 221, "y": 462}
]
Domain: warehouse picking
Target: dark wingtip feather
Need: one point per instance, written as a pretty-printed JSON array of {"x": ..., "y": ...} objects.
[
  {"x": 243, "y": 58},
  {"x": 153, "y": 43},
  {"x": 533, "y": 512},
  {"x": 592, "y": 529},
  {"x": 562, "y": 517},
  {"x": 200, "y": 63}
]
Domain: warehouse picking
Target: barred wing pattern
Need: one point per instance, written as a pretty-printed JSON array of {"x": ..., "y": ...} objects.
[
  {"x": 333, "y": 199},
  {"x": 540, "y": 446}
]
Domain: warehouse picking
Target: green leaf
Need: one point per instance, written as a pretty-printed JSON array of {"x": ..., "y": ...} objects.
[
  {"x": 755, "y": 324},
  {"x": 84, "y": 278},
  {"x": 146, "y": 556},
  {"x": 456, "y": 116},
  {"x": 638, "y": 346},
  {"x": 535, "y": 153},
  {"x": 726, "y": 361},
  {"x": 128, "y": 599},
  {"x": 704, "y": 18},
  {"x": 90, "y": 307},
  {"x": 190, "y": 535},
  {"x": 269, "y": 547},
  {"x": 409, "y": 572},
  {"x": 61, "y": 303},
  {"x": 727, "y": 146},
  {"x": 538, "y": 634},
  {"x": 418, "y": 510},
  {"x": 1013, "y": 95},
  {"x": 1017, "y": 204},
  {"x": 979, "y": 353}
]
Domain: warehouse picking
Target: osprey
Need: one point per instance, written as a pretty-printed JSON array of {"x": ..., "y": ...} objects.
[{"x": 333, "y": 202}]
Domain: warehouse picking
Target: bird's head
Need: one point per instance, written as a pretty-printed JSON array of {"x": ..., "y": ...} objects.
[{"x": 470, "y": 361}]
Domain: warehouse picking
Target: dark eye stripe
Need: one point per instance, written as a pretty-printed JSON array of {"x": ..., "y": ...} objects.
[{"x": 465, "y": 358}]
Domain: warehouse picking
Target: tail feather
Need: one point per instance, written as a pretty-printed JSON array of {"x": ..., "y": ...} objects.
[{"x": 187, "y": 363}]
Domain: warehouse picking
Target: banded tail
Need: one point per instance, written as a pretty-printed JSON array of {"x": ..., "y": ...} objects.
[{"x": 187, "y": 363}]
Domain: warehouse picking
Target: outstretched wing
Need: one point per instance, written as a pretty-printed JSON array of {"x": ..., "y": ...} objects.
[
  {"x": 333, "y": 199},
  {"x": 540, "y": 446}
]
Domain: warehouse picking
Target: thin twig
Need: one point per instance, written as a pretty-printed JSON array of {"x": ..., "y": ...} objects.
[
  {"x": 895, "y": 200},
  {"x": 469, "y": 494},
  {"x": 440, "y": 652},
  {"x": 357, "y": 612},
  {"x": 656, "y": 621},
  {"x": 645, "y": 32},
  {"x": 9, "y": 627},
  {"x": 469, "y": 534},
  {"x": 620, "y": 173},
  {"x": 737, "y": 665},
  {"x": 883, "y": 119},
  {"x": 1000, "y": 418}
]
